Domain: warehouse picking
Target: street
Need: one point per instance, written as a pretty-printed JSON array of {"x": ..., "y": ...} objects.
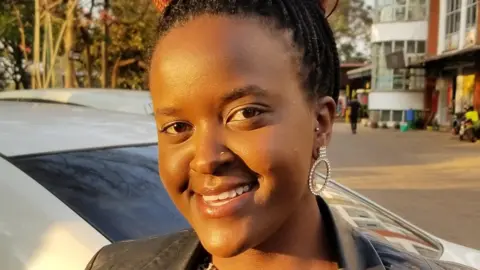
[{"x": 430, "y": 178}]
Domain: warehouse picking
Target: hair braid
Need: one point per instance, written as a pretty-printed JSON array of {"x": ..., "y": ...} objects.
[{"x": 312, "y": 34}]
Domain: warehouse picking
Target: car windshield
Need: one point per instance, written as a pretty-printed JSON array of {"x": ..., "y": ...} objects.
[{"x": 118, "y": 191}]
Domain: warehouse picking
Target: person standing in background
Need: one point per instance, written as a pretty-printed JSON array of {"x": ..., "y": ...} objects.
[{"x": 354, "y": 110}]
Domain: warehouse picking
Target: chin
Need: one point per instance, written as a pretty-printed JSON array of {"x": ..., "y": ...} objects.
[{"x": 224, "y": 243}]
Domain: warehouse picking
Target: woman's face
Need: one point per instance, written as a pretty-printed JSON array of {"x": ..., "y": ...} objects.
[{"x": 236, "y": 134}]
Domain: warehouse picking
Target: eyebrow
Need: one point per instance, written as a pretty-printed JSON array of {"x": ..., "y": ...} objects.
[
  {"x": 167, "y": 111},
  {"x": 237, "y": 93},
  {"x": 234, "y": 94}
]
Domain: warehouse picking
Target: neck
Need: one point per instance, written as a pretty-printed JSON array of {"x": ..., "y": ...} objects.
[{"x": 300, "y": 243}]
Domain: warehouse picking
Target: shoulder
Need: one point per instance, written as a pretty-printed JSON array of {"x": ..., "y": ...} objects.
[{"x": 159, "y": 252}]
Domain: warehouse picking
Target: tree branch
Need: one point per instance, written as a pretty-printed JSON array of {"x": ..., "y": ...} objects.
[
  {"x": 126, "y": 62},
  {"x": 142, "y": 14}
]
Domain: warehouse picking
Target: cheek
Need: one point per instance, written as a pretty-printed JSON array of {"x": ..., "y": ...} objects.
[
  {"x": 173, "y": 169},
  {"x": 281, "y": 156}
]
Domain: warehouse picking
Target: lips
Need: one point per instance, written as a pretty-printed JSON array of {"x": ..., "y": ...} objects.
[
  {"x": 228, "y": 194},
  {"x": 227, "y": 198}
]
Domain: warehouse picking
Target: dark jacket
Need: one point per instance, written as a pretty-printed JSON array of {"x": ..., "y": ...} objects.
[{"x": 357, "y": 250}]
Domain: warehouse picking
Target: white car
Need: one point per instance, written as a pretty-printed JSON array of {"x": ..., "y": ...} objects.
[
  {"x": 129, "y": 101},
  {"x": 73, "y": 179}
]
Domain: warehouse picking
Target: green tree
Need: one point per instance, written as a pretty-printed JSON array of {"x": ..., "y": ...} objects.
[
  {"x": 351, "y": 23},
  {"x": 132, "y": 39},
  {"x": 16, "y": 38},
  {"x": 131, "y": 34}
]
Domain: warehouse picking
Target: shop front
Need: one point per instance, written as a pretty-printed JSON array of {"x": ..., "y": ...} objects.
[{"x": 453, "y": 83}]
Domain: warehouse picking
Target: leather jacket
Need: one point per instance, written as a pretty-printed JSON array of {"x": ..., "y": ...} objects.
[{"x": 357, "y": 250}]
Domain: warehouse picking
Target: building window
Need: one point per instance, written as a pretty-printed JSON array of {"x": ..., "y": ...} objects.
[
  {"x": 416, "y": 79},
  {"x": 410, "y": 46},
  {"x": 453, "y": 24},
  {"x": 384, "y": 79},
  {"x": 399, "y": 10},
  {"x": 416, "y": 10},
  {"x": 398, "y": 79},
  {"x": 399, "y": 45},
  {"x": 397, "y": 116},
  {"x": 385, "y": 116},
  {"x": 471, "y": 29},
  {"x": 420, "y": 47}
]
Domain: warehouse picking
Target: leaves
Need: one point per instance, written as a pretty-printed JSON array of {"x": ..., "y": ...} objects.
[
  {"x": 132, "y": 37},
  {"x": 351, "y": 23},
  {"x": 16, "y": 23}
]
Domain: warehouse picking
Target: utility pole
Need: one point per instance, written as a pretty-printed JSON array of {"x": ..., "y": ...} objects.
[
  {"x": 69, "y": 40},
  {"x": 106, "y": 35},
  {"x": 36, "y": 48}
]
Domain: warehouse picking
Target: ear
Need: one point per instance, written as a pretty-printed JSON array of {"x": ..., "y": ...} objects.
[{"x": 324, "y": 112}]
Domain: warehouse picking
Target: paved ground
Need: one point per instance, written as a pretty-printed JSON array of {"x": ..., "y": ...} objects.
[{"x": 430, "y": 178}]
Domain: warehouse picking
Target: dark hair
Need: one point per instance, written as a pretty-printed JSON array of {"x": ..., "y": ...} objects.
[{"x": 311, "y": 33}]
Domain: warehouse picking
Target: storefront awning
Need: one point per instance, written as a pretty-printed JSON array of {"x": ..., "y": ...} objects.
[
  {"x": 464, "y": 55},
  {"x": 365, "y": 71}
]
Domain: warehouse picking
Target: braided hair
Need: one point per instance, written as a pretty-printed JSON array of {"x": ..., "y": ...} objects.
[{"x": 306, "y": 19}]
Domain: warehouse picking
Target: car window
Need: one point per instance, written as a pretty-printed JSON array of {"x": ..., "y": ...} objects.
[
  {"x": 118, "y": 191},
  {"x": 365, "y": 216}
]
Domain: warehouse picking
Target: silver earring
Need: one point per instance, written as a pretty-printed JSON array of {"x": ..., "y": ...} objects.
[{"x": 322, "y": 158}]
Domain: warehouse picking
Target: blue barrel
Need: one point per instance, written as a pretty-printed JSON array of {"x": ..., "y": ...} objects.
[{"x": 410, "y": 116}]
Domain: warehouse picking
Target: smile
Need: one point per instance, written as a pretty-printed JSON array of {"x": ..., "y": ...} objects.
[
  {"x": 227, "y": 203},
  {"x": 224, "y": 197}
]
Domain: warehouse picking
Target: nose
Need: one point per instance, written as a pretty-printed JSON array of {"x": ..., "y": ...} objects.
[{"x": 211, "y": 154}]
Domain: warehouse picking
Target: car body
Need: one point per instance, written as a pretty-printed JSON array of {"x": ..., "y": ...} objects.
[
  {"x": 73, "y": 179},
  {"x": 129, "y": 101}
]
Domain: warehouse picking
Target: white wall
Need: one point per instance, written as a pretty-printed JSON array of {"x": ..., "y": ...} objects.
[
  {"x": 396, "y": 101},
  {"x": 416, "y": 30},
  {"x": 442, "y": 25}
]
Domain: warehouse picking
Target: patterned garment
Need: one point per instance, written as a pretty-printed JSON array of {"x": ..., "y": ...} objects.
[{"x": 207, "y": 264}]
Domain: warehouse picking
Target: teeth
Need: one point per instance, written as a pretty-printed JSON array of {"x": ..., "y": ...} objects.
[
  {"x": 228, "y": 194},
  {"x": 224, "y": 195}
]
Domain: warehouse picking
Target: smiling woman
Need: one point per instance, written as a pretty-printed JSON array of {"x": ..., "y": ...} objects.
[{"x": 244, "y": 96}]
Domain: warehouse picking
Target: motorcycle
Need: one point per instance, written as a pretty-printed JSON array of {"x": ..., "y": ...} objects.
[
  {"x": 456, "y": 123},
  {"x": 468, "y": 132}
]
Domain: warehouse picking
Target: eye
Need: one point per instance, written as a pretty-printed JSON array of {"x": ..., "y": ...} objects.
[
  {"x": 245, "y": 113},
  {"x": 176, "y": 128}
]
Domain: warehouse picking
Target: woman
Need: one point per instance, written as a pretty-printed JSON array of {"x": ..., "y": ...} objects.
[{"x": 244, "y": 94}]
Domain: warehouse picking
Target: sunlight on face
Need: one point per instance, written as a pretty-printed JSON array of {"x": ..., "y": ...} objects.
[{"x": 231, "y": 118}]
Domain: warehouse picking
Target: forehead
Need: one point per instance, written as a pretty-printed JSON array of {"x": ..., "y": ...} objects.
[
  {"x": 221, "y": 53},
  {"x": 232, "y": 38}
]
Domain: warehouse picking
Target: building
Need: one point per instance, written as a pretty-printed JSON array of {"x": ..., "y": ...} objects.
[
  {"x": 399, "y": 34},
  {"x": 344, "y": 86},
  {"x": 452, "y": 62},
  {"x": 359, "y": 81}
]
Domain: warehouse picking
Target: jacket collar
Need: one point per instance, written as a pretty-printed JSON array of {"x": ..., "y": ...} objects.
[{"x": 353, "y": 251}]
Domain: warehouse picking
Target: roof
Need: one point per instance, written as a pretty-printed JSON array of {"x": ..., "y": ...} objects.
[
  {"x": 465, "y": 53},
  {"x": 33, "y": 128},
  {"x": 351, "y": 65},
  {"x": 364, "y": 71},
  {"x": 106, "y": 99}
]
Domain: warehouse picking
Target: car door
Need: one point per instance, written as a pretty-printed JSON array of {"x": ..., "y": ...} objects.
[
  {"x": 367, "y": 216},
  {"x": 37, "y": 230}
]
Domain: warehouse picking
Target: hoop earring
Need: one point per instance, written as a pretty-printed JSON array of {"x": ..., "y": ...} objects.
[{"x": 322, "y": 158}]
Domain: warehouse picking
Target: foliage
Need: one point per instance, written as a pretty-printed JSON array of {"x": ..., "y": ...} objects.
[
  {"x": 16, "y": 37},
  {"x": 132, "y": 35},
  {"x": 351, "y": 24}
]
